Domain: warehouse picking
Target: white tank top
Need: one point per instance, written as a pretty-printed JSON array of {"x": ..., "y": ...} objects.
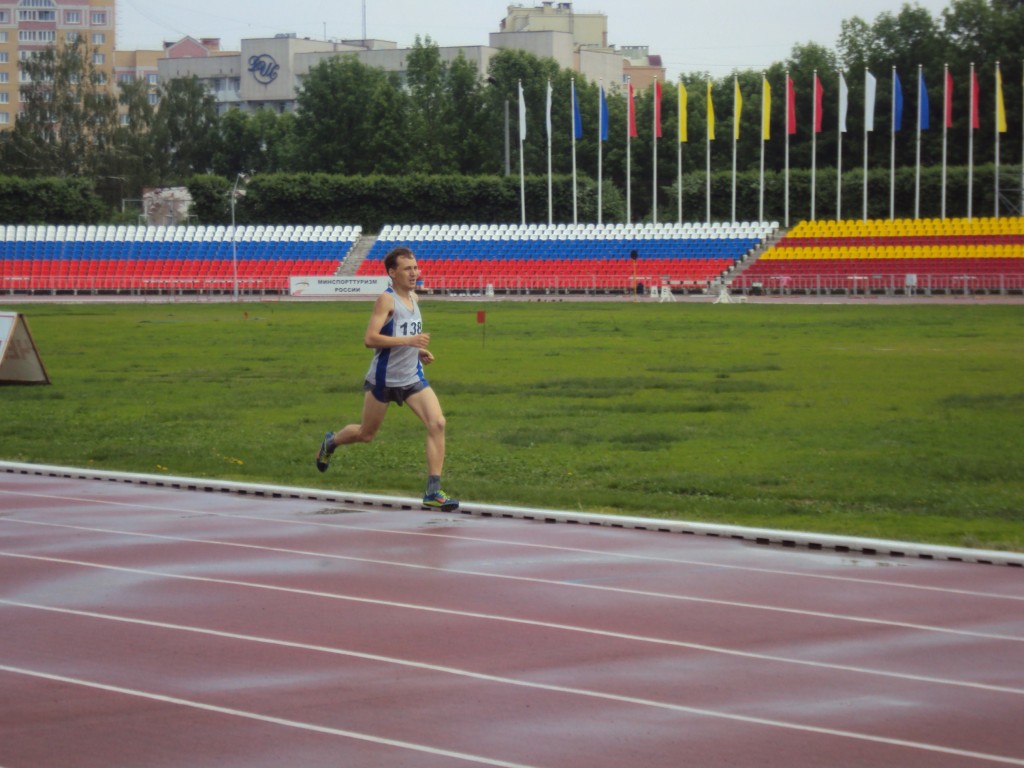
[{"x": 398, "y": 366}]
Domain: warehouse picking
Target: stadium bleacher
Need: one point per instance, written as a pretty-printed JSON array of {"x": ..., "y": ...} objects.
[
  {"x": 569, "y": 257},
  {"x": 889, "y": 256},
  {"x": 183, "y": 258}
]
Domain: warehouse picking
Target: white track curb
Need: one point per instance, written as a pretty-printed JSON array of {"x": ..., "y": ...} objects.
[{"x": 812, "y": 541}]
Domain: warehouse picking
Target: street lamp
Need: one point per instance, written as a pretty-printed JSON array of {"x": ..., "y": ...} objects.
[{"x": 234, "y": 240}]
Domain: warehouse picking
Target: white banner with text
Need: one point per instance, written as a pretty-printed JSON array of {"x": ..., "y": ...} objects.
[{"x": 338, "y": 286}]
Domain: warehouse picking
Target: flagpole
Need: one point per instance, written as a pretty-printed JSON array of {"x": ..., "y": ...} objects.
[
  {"x": 572, "y": 129},
  {"x": 843, "y": 104},
  {"x": 970, "y": 146},
  {"x": 917, "y": 157},
  {"x": 869, "y": 116},
  {"x": 999, "y": 93},
  {"x": 866, "y": 131},
  {"x": 765, "y": 112},
  {"x": 735, "y": 138},
  {"x": 600, "y": 149},
  {"x": 892, "y": 150},
  {"x": 655, "y": 128},
  {"x": 679, "y": 181},
  {"x": 551, "y": 212},
  {"x": 679, "y": 148},
  {"x": 629, "y": 133},
  {"x": 789, "y": 129},
  {"x": 946, "y": 96},
  {"x": 522, "y": 165},
  {"x": 814, "y": 146},
  {"x": 707, "y": 174}
]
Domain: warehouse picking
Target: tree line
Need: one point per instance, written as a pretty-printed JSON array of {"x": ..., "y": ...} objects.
[{"x": 448, "y": 119}]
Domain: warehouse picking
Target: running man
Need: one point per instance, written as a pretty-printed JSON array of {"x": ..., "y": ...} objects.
[{"x": 395, "y": 333}]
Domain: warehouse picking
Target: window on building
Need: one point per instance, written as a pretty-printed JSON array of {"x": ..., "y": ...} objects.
[
  {"x": 99, "y": 38},
  {"x": 99, "y": 59},
  {"x": 72, "y": 37},
  {"x": 5, "y": 118},
  {"x": 98, "y": 18},
  {"x": 5, "y": 97},
  {"x": 72, "y": 17},
  {"x": 37, "y": 15},
  {"x": 37, "y": 35}
]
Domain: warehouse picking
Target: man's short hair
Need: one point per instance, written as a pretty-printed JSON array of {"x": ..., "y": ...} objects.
[{"x": 391, "y": 260}]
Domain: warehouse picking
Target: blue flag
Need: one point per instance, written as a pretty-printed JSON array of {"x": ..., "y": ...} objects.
[
  {"x": 604, "y": 116},
  {"x": 897, "y": 98},
  {"x": 577, "y": 120},
  {"x": 922, "y": 102}
]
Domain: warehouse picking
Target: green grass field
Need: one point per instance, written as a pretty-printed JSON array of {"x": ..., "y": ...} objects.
[{"x": 900, "y": 422}]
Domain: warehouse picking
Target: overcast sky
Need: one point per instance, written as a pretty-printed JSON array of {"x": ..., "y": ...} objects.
[{"x": 717, "y": 36}]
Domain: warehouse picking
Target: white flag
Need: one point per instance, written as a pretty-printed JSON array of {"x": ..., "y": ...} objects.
[
  {"x": 870, "y": 89},
  {"x": 522, "y": 113},
  {"x": 844, "y": 102},
  {"x": 548, "y": 119}
]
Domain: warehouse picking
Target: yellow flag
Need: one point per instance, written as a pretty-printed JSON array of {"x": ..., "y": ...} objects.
[
  {"x": 766, "y": 110},
  {"x": 738, "y": 101},
  {"x": 711, "y": 115},
  {"x": 682, "y": 113},
  {"x": 1000, "y": 105}
]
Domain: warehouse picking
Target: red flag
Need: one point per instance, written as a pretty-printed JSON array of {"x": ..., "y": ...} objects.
[
  {"x": 481, "y": 317},
  {"x": 657, "y": 109},
  {"x": 632, "y": 114},
  {"x": 949, "y": 100},
  {"x": 975, "y": 118},
  {"x": 790, "y": 106},
  {"x": 818, "y": 93}
]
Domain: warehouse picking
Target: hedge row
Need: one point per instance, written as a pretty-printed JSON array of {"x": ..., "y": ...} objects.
[{"x": 372, "y": 201}]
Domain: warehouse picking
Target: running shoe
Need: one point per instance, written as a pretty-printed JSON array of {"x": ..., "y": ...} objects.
[
  {"x": 441, "y": 500},
  {"x": 323, "y": 456}
]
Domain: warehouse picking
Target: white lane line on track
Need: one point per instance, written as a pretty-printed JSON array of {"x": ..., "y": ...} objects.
[
  {"x": 530, "y": 545},
  {"x": 551, "y": 582},
  {"x": 533, "y": 623},
  {"x": 261, "y": 718},
  {"x": 631, "y": 700}
]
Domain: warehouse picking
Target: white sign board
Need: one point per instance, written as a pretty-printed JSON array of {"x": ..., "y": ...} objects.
[
  {"x": 19, "y": 358},
  {"x": 338, "y": 286}
]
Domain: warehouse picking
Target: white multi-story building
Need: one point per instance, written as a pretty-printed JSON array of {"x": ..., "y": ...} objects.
[{"x": 268, "y": 72}]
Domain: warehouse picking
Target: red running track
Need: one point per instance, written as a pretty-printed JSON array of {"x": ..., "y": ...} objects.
[{"x": 157, "y": 627}]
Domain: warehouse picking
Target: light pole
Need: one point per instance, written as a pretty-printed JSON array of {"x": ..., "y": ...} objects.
[{"x": 234, "y": 240}]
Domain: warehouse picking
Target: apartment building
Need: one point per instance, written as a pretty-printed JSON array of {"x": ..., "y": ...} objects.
[{"x": 27, "y": 26}]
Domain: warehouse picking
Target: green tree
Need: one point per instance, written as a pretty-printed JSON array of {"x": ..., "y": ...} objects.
[
  {"x": 333, "y": 129},
  {"x": 68, "y": 118},
  {"x": 184, "y": 131},
  {"x": 128, "y": 166}
]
